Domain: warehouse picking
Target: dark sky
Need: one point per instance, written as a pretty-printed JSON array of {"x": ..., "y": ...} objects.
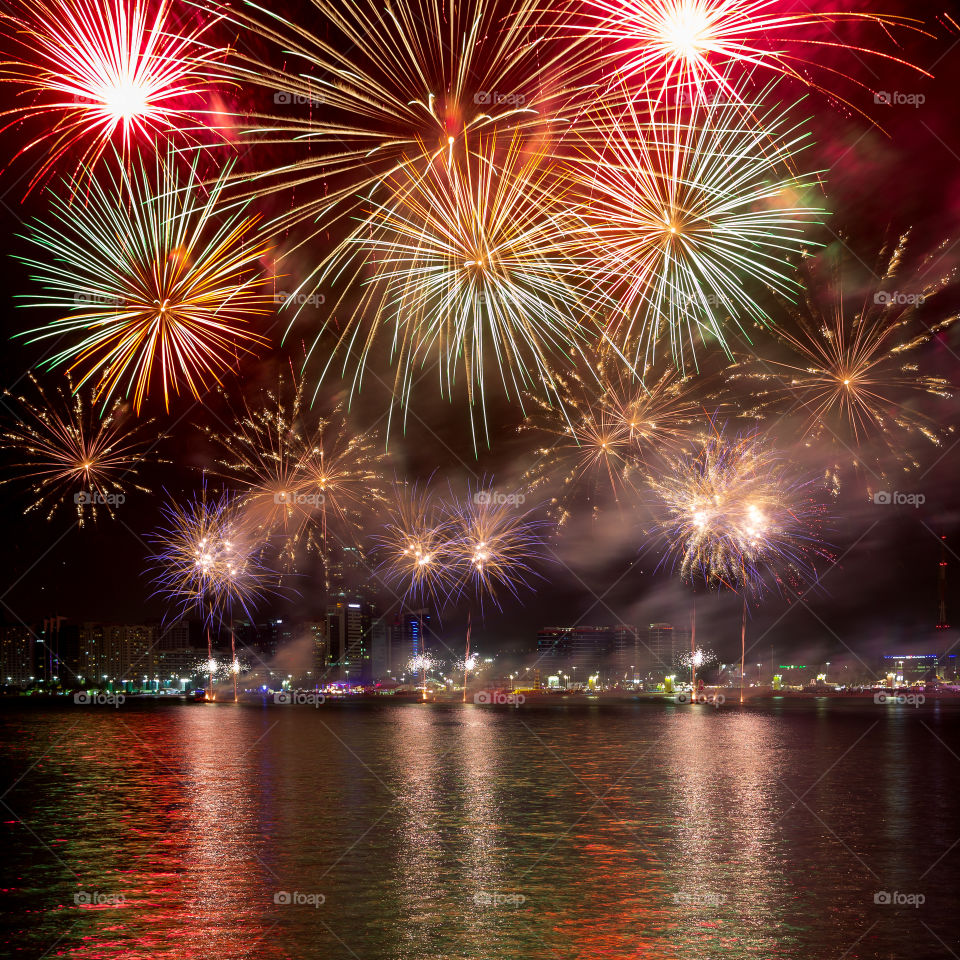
[{"x": 883, "y": 589}]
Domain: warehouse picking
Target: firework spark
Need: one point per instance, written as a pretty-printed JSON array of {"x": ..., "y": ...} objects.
[
  {"x": 695, "y": 659},
  {"x": 689, "y": 46},
  {"x": 732, "y": 515},
  {"x": 155, "y": 279},
  {"x": 466, "y": 276},
  {"x": 844, "y": 371},
  {"x": 679, "y": 215},
  {"x": 96, "y": 73},
  {"x": 65, "y": 449},
  {"x": 610, "y": 424},
  {"x": 421, "y": 663}
]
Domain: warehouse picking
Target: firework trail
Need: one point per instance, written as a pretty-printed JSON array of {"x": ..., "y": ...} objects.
[
  {"x": 64, "y": 449},
  {"x": 94, "y": 75},
  {"x": 153, "y": 281}
]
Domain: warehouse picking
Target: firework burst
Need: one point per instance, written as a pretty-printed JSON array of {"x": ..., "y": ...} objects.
[
  {"x": 98, "y": 74},
  {"x": 65, "y": 449},
  {"x": 732, "y": 515},
  {"x": 844, "y": 369},
  {"x": 417, "y": 559},
  {"x": 300, "y": 471},
  {"x": 493, "y": 544},
  {"x": 689, "y": 46},
  {"x": 387, "y": 89},
  {"x": 152, "y": 277},
  {"x": 421, "y": 663},
  {"x": 205, "y": 559},
  {"x": 466, "y": 275},
  {"x": 679, "y": 215},
  {"x": 610, "y": 424}
]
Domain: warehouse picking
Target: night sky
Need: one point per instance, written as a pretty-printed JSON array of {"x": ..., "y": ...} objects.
[{"x": 882, "y": 591}]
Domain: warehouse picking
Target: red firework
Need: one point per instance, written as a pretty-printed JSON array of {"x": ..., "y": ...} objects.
[{"x": 101, "y": 72}]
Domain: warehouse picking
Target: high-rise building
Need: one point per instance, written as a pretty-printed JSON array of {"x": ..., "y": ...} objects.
[
  {"x": 317, "y": 631},
  {"x": 349, "y": 636},
  {"x": 380, "y": 660},
  {"x": 17, "y": 666},
  {"x": 407, "y": 636},
  {"x": 627, "y": 649},
  {"x": 665, "y": 644},
  {"x": 588, "y": 650}
]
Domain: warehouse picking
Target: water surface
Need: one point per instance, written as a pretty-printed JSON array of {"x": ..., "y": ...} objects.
[{"x": 404, "y": 830}]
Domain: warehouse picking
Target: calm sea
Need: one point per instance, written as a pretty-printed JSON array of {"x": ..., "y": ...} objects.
[{"x": 816, "y": 829}]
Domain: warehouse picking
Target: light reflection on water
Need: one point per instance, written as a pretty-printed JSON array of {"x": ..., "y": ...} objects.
[{"x": 437, "y": 831}]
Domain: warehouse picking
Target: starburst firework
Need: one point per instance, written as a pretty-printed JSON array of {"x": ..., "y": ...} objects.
[
  {"x": 465, "y": 275},
  {"x": 680, "y": 213},
  {"x": 96, "y": 73},
  {"x": 843, "y": 374},
  {"x": 206, "y": 560},
  {"x": 493, "y": 544},
  {"x": 153, "y": 277},
  {"x": 300, "y": 471},
  {"x": 415, "y": 545},
  {"x": 732, "y": 514},
  {"x": 65, "y": 450},
  {"x": 610, "y": 423},
  {"x": 690, "y": 46}
]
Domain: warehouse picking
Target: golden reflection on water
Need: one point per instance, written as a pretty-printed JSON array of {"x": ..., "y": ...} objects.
[{"x": 658, "y": 832}]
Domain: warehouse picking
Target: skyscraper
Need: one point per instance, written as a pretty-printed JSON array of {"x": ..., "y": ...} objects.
[{"x": 349, "y": 635}]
